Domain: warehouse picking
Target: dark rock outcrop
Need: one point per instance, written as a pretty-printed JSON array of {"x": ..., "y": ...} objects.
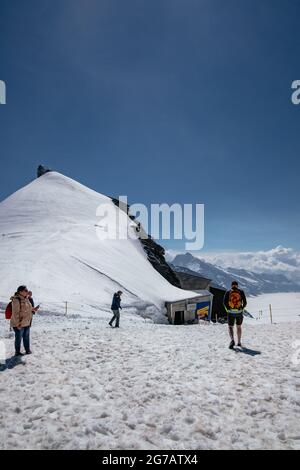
[
  {"x": 156, "y": 256},
  {"x": 154, "y": 251},
  {"x": 42, "y": 170}
]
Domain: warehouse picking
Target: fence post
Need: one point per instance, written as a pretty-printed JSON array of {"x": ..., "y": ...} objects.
[
  {"x": 271, "y": 314},
  {"x": 66, "y": 310}
]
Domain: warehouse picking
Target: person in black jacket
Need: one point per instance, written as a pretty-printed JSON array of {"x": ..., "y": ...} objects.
[
  {"x": 116, "y": 306},
  {"x": 30, "y": 298},
  {"x": 235, "y": 302}
]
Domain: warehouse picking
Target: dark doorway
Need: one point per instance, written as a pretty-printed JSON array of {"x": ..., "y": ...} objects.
[
  {"x": 179, "y": 318},
  {"x": 218, "y": 309}
]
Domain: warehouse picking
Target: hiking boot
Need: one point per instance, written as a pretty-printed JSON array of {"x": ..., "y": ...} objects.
[
  {"x": 232, "y": 344},
  {"x": 29, "y": 352},
  {"x": 18, "y": 353}
]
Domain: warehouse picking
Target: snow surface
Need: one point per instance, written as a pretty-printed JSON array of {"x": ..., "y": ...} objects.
[
  {"x": 48, "y": 241},
  {"x": 150, "y": 386},
  {"x": 285, "y": 307}
]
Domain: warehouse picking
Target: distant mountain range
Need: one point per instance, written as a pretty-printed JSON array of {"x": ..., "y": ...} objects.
[{"x": 253, "y": 283}]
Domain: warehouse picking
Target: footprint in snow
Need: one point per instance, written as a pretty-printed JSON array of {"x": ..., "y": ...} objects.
[{"x": 51, "y": 410}]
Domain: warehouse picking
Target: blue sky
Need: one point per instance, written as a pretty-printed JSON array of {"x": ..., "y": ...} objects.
[{"x": 183, "y": 101}]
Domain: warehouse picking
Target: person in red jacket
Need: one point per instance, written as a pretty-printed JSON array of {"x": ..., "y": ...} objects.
[{"x": 235, "y": 302}]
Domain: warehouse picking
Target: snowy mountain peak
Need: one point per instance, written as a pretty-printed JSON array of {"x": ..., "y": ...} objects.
[
  {"x": 52, "y": 197},
  {"x": 49, "y": 242}
]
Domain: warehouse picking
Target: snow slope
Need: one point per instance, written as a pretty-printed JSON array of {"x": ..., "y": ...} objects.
[
  {"x": 285, "y": 307},
  {"x": 149, "y": 386},
  {"x": 48, "y": 241}
]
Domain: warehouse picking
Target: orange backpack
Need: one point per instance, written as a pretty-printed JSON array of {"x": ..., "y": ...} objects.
[{"x": 235, "y": 300}]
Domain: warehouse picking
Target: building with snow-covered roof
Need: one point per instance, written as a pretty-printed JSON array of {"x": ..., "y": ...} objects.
[
  {"x": 191, "y": 280},
  {"x": 190, "y": 310}
]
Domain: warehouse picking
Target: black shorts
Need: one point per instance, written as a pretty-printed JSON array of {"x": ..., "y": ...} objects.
[{"x": 238, "y": 319}]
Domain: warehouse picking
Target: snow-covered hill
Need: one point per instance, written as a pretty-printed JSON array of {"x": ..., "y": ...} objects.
[
  {"x": 253, "y": 283},
  {"x": 48, "y": 241}
]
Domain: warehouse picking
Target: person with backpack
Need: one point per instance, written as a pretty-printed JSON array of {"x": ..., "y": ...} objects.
[
  {"x": 235, "y": 302},
  {"x": 21, "y": 318},
  {"x": 116, "y": 306}
]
